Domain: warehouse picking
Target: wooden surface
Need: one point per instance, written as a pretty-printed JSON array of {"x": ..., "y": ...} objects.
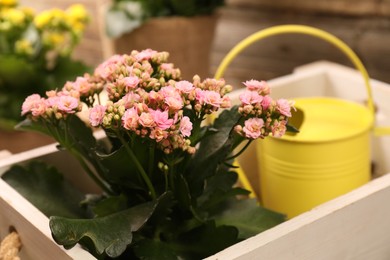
[
  {"x": 19, "y": 141},
  {"x": 16, "y": 213},
  {"x": 340, "y": 7},
  {"x": 363, "y": 25},
  {"x": 368, "y": 36},
  {"x": 353, "y": 226}
]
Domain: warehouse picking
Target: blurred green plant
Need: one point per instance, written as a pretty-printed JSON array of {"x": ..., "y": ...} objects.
[
  {"x": 35, "y": 53},
  {"x": 125, "y": 15}
]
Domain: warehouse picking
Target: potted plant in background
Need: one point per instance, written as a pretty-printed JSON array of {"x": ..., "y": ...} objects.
[
  {"x": 168, "y": 185},
  {"x": 35, "y": 54},
  {"x": 183, "y": 28}
]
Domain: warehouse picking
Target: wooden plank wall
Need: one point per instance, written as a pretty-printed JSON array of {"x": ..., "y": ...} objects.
[{"x": 363, "y": 24}]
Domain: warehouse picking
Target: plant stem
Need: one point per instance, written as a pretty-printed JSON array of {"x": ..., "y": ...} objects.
[
  {"x": 139, "y": 167},
  {"x": 151, "y": 159},
  {"x": 171, "y": 176},
  {"x": 240, "y": 152},
  {"x": 89, "y": 171}
]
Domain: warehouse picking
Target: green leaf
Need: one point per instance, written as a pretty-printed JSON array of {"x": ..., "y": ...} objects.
[
  {"x": 249, "y": 217},
  {"x": 213, "y": 150},
  {"x": 121, "y": 171},
  {"x": 29, "y": 125},
  {"x": 206, "y": 240},
  {"x": 46, "y": 188},
  {"x": 80, "y": 135},
  {"x": 183, "y": 8},
  {"x": 110, "y": 205},
  {"x": 148, "y": 249},
  {"x": 181, "y": 191},
  {"x": 109, "y": 234},
  {"x": 219, "y": 188},
  {"x": 11, "y": 69}
]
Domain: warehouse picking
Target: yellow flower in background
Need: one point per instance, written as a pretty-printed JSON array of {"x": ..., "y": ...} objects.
[
  {"x": 53, "y": 39},
  {"x": 28, "y": 12},
  {"x": 15, "y": 16},
  {"x": 24, "y": 47},
  {"x": 8, "y": 3},
  {"x": 77, "y": 12},
  {"x": 42, "y": 19},
  {"x": 49, "y": 18},
  {"x": 77, "y": 18}
]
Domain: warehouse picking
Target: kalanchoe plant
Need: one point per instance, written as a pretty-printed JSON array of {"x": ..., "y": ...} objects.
[
  {"x": 126, "y": 15},
  {"x": 168, "y": 188},
  {"x": 35, "y": 53}
]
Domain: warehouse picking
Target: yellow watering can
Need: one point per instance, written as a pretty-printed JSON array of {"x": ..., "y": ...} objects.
[{"x": 331, "y": 154}]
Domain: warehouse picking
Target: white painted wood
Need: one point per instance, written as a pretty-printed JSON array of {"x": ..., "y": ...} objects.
[
  {"x": 354, "y": 226},
  {"x": 4, "y": 153},
  {"x": 33, "y": 228}
]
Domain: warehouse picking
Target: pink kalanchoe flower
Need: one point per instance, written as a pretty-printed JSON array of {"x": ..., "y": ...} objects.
[
  {"x": 174, "y": 103},
  {"x": 155, "y": 97},
  {"x": 266, "y": 102},
  {"x": 68, "y": 104},
  {"x": 107, "y": 69},
  {"x": 199, "y": 95},
  {"x": 284, "y": 107},
  {"x": 145, "y": 54},
  {"x": 129, "y": 99},
  {"x": 184, "y": 86},
  {"x": 82, "y": 85},
  {"x": 226, "y": 102},
  {"x": 158, "y": 134},
  {"x": 96, "y": 115},
  {"x": 250, "y": 97},
  {"x": 168, "y": 91},
  {"x": 29, "y": 103},
  {"x": 279, "y": 128},
  {"x": 259, "y": 86},
  {"x": 161, "y": 118},
  {"x": 130, "y": 82},
  {"x": 130, "y": 119},
  {"x": 252, "y": 127},
  {"x": 172, "y": 98},
  {"x": 146, "y": 120},
  {"x": 212, "y": 98},
  {"x": 167, "y": 66},
  {"x": 53, "y": 101},
  {"x": 185, "y": 127}
]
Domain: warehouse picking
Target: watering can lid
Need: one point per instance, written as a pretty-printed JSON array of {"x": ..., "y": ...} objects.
[{"x": 328, "y": 119}]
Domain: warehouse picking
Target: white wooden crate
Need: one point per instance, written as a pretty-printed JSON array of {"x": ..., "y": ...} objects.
[{"x": 353, "y": 226}]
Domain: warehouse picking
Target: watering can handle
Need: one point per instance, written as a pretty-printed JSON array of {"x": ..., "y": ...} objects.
[{"x": 302, "y": 29}]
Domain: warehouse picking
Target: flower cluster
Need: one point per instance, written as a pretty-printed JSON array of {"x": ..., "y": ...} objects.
[
  {"x": 60, "y": 30},
  {"x": 48, "y": 34},
  {"x": 264, "y": 114},
  {"x": 145, "y": 98},
  {"x": 160, "y": 166},
  {"x": 39, "y": 47}
]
